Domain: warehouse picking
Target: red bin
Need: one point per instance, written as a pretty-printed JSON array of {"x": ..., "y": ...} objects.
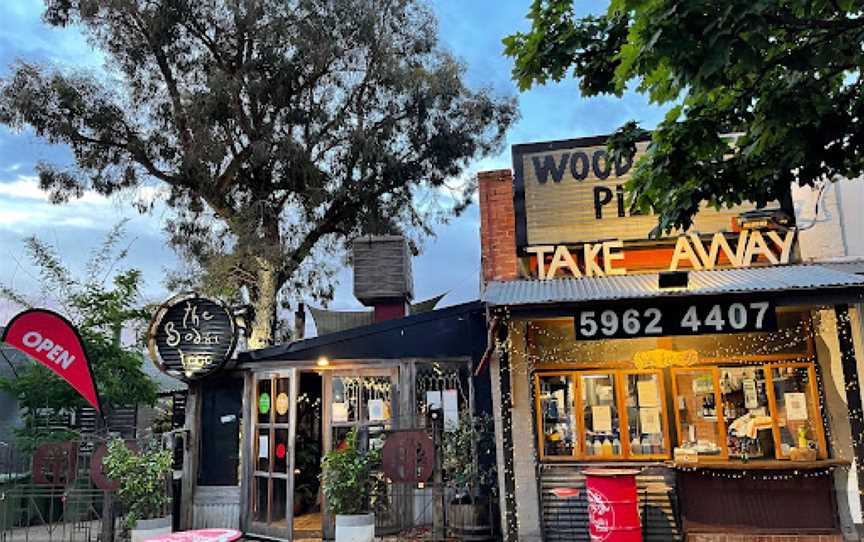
[{"x": 613, "y": 505}]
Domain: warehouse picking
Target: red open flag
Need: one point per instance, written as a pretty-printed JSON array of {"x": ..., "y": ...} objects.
[{"x": 54, "y": 342}]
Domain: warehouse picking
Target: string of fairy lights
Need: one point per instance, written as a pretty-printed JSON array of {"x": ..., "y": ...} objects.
[{"x": 548, "y": 346}]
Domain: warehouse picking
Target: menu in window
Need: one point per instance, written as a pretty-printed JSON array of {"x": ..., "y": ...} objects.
[
  {"x": 751, "y": 400},
  {"x": 433, "y": 400},
  {"x": 649, "y": 419},
  {"x": 601, "y": 419},
  {"x": 263, "y": 446},
  {"x": 340, "y": 412},
  {"x": 451, "y": 409},
  {"x": 796, "y": 407},
  {"x": 646, "y": 391},
  {"x": 376, "y": 410}
]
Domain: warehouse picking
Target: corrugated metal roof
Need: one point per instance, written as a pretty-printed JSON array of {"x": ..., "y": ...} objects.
[{"x": 718, "y": 281}]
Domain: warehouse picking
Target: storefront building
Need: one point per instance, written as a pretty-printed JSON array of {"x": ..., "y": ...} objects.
[
  {"x": 257, "y": 426},
  {"x": 712, "y": 361}
]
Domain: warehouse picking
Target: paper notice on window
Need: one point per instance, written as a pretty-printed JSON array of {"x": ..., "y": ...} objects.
[
  {"x": 433, "y": 400},
  {"x": 796, "y": 407},
  {"x": 649, "y": 419},
  {"x": 604, "y": 394},
  {"x": 751, "y": 400},
  {"x": 451, "y": 409},
  {"x": 263, "y": 446},
  {"x": 647, "y": 393},
  {"x": 339, "y": 412},
  {"x": 601, "y": 419},
  {"x": 376, "y": 410}
]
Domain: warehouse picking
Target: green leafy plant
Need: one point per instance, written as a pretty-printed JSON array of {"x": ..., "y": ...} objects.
[
  {"x": 783, "y": 75},
  {"x": 102, "y": 301},
  {"x": 346, "y": 477},
  {"x": 142, "y": 476},
  {"x": 463, "y": 448},
  {"x": 274, "y": 146}
]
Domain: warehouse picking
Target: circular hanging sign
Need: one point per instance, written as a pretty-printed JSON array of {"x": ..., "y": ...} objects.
[
  {"x": 191, "y": 336},
  {"x": 264, "y": 403},
  {"x": 282, "y": 403}
]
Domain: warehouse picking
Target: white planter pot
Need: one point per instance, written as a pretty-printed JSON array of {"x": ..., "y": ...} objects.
[
  {"x": 149, "y": 528},
  {"x": 355, "y": 528}
]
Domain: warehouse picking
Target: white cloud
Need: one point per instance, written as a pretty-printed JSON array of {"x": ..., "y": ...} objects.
[{"x": 27, "y": 187}]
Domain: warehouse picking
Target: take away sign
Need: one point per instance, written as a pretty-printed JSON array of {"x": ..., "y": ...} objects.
[{"x": 53, "y": 341}]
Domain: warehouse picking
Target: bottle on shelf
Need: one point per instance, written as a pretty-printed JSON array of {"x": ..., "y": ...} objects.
[
  {"x": 635, "y": 445},
  {"x": 606, "y": 447},
  {"x": 616, "y": 446},
  {"x": 598, "y": 447}
]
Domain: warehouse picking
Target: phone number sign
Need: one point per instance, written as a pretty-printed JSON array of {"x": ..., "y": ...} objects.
[{"x": 688, "y": 318}]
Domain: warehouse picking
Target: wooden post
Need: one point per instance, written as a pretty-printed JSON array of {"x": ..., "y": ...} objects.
[
  {"x": 438, "y": 482},
  {"x": 191, "y": 447},
  {"x": 246, "y": 450},
  {"x": 853, "y": 391},
  {"x": 108, "y": 517}
]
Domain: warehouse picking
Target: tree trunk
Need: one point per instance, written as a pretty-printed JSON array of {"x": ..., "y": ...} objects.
[{"x": 264, "y": 303}]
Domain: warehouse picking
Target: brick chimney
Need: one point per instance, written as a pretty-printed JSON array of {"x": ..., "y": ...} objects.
[
  {"x": 382, "y": 275},
  {"x": 497, "y": 225}
]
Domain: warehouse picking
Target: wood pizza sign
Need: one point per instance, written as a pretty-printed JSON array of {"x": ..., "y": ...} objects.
[{"x": 573, "y": 192}]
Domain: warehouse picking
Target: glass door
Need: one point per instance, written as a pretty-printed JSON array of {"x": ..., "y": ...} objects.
[
  {"x": 363, "y": 400},
  {"x": 274, "y": 418}
]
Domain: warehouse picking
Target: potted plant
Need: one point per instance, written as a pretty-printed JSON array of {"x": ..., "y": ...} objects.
[
  {"x": 466, "y": 476},
  {"x": 143, "y": 488},
  {"x": 346, "y": 482}
]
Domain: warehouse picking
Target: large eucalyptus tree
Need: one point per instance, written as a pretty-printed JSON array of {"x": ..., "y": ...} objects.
[{"x": 279, "y": 128}]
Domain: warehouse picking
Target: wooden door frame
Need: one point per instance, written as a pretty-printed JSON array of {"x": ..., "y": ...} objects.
[{"x": 248, "y": 470}]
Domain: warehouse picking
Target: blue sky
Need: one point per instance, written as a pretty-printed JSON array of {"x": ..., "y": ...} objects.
[{"x": 471, "y": 29}]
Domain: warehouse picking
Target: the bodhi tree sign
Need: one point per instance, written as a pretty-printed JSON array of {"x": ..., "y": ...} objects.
[{"x": 191, "y": 336}]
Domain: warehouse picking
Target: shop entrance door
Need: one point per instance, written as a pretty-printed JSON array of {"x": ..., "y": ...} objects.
[
  {"x": 272, "y": 453},
  {"x": 365, "y": 401}
]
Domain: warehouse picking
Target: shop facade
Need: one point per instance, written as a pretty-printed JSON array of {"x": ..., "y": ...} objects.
[
  {"x": 257, "y": 424},
  {"x": 711, "y": 361}
]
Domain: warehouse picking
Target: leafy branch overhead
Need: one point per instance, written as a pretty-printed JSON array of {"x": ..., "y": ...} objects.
[
  {"x": 277, "y": 129},
  {"x": 783, "y": 76}
]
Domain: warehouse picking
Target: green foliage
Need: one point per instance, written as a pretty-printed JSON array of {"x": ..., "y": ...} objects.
[
  {"x": 275, "y": 145},
  {"x": 143, "y": 480},
  {"x": 100, "y": 309},
  {"x": 346, "y": 477},
  {"x": 464, "y": 448},
  {"x": 782, "y": 75}
]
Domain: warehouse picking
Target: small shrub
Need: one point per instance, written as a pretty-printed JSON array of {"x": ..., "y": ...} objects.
[{"x": 142, "y": 477}]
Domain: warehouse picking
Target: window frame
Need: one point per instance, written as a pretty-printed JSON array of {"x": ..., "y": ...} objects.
[
  {"x": 664, "y": 414},
  {"x": 814, "y": 407}
]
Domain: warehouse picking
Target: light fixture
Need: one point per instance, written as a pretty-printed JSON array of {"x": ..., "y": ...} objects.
[
  {"x": 673, "y": 279},
  {"x": 323, "y": 361}
]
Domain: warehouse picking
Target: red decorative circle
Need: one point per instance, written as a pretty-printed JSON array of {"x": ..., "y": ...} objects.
[{"x": 280, "y": 451}]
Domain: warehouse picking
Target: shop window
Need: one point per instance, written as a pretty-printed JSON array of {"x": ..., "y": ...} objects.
[
  {"x": 346, "y": 398},
  {"x": 600, "y": 417},
  {"x": 647, "y": 434},
  {"x": 442, "y": 386},
  {"x": 699, "y": 411},
  {"x": 556, "y": 399},
  {"x": 747, "y": 413},
  {"x": 797, "y": 419}
]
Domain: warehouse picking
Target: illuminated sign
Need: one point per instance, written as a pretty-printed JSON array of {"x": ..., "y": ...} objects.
[
  {"x": 191, "y": 336},
  {"x": 691, "y": 251}
]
